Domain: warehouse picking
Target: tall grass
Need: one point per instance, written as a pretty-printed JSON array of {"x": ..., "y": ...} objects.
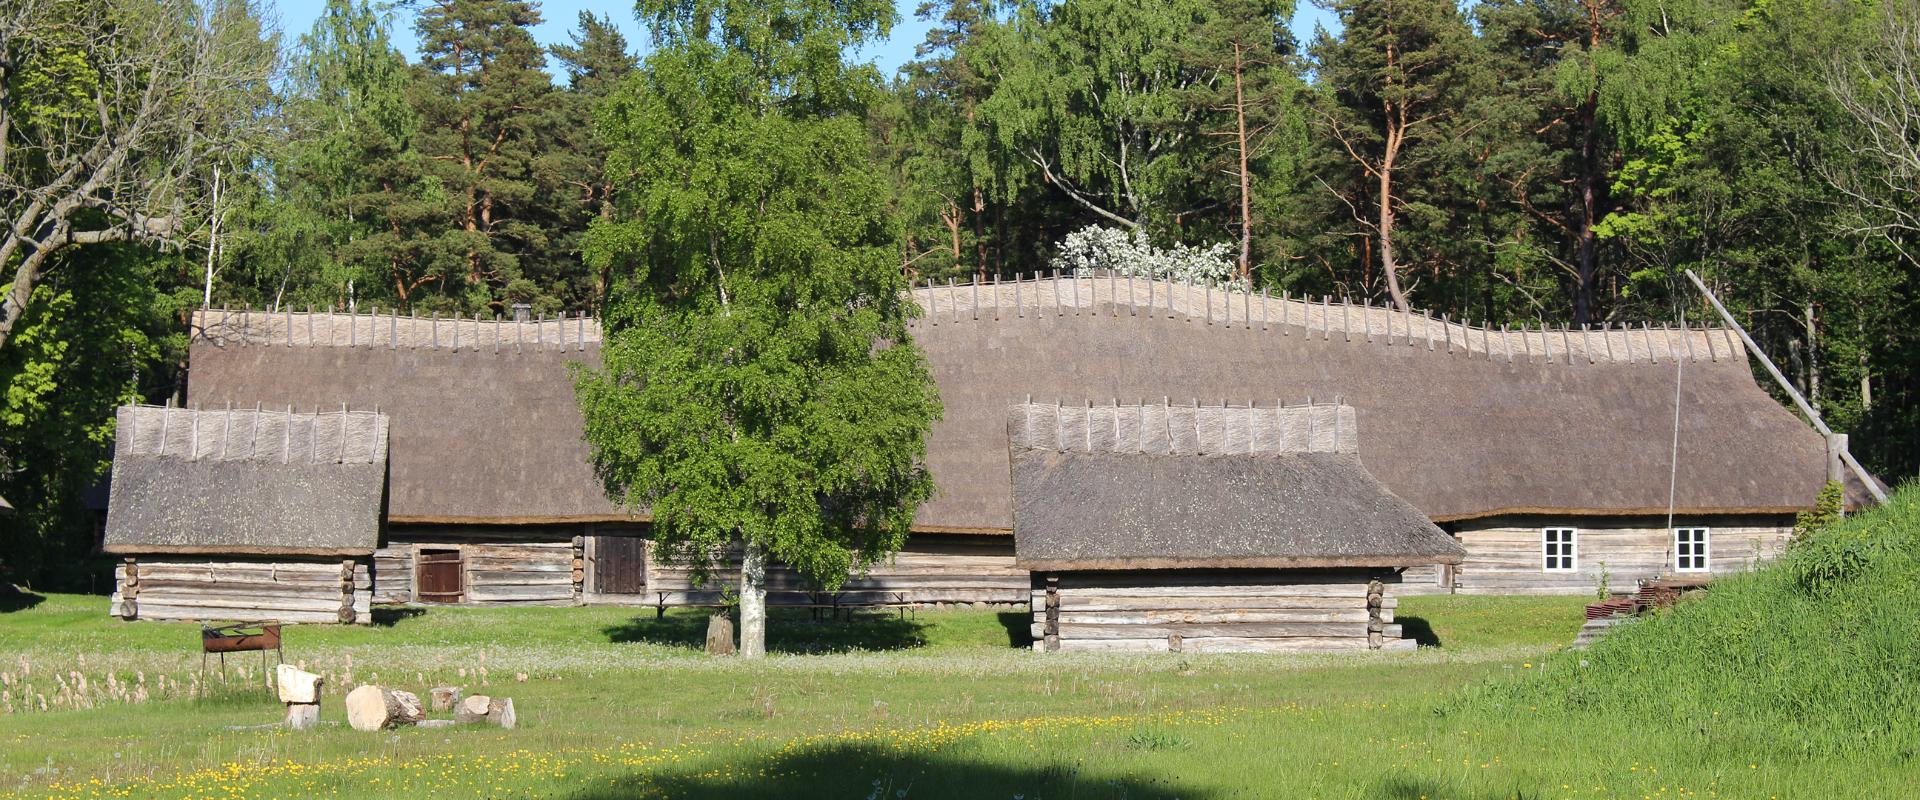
[{"x": 1817, "y": 654}]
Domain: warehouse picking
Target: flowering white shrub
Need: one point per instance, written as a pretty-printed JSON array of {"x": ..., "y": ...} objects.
[{"x": 1096, "y": 248}]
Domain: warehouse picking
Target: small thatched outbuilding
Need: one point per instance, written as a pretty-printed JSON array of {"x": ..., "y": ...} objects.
[
  {"x": 1209, "y": 529},
  {"x": 254, "y": 514}
]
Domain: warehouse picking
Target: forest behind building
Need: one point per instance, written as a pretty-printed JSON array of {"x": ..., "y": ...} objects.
[{"x": 1513, "y": 162}]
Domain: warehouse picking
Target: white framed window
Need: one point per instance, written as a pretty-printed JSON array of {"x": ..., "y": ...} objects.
[
  {"x": 1558, "y": 550},
  {"x": 1690, "y": 549}
]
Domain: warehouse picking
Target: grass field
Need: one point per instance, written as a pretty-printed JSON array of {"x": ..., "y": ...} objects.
[{"x": 613, "y": 704}]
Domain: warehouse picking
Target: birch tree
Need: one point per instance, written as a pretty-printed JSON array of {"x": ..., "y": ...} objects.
[
  {"x": 760, "y": 393},
  {"x": 113, "y": 116}
]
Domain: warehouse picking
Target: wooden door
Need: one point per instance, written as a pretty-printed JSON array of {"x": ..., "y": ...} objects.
[
  {"x": 439, "y": 576},
  {"x": 620, "y": 565}
]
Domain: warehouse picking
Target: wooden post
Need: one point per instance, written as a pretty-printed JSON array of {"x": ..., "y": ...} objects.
[
  {"x": 346, "y": 590},
  {"x": 1836, "y": 461},
  {"x": 1286, "y": 313},
  {"x": 579, "y": 568},
  {"x": 1446, "y": 330},
  {"x": 1346, "y": 322},
  {"x": 1376, "y": 629},
  {"x": 1566, "y": 343},
  {"x": 130, "y": 590},
  {"x": 1266, "y": 300},
  {"x": 1607, "y": 339},
  {"x": 1050, "y": 627},
  {"x": 1506, "y": 342}
]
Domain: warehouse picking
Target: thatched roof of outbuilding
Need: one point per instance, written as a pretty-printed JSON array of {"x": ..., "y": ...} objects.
[
  {"x": 1246, "y": 489},
  {"x": 247, "y": 482}
]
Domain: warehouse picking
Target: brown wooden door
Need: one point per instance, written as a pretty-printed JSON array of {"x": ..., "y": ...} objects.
[
  {"x": 620, "y": 565},
  {"x": 439, "y": 576}
]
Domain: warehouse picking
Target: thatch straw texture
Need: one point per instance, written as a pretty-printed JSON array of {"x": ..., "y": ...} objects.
[
  {"x": 246, "y": 482},
  {"x": 1092, "y": 511},
  {"x": 1284, "y": 503},
  {"x": 1477, "y": 425},
  {"x": 1183, "y": 430},
  {"x": 478, "y": 437}
]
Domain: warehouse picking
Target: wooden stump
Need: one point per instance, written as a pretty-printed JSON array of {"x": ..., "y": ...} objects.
[
  {"x": 444, "y": 697},
  {"x": 371, "y": 708},
  {"x": 301, "y": 716},
  {"x": 481, "y": 708},
  {"x": 297, "y": 685},
  {"x": 720, "y": 635},
  {"x": 472, "y": 708}
]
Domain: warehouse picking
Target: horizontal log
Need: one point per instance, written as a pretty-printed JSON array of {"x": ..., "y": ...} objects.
[
  {"x": 159, "y": 611},
  {"x": 1069, "y": 602},
  {"x": 1241, "y": 590},
  {"x": 1156, "y": 579},
  {"x": 1217, "y": 616},
  {"x": 1216, "y": 645},
  {"x": 1249, "y": 630},
  {"x": 514, "y": 593}
]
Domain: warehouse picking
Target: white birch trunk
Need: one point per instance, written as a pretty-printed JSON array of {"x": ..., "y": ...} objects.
[{"x": 753, "y": 600}]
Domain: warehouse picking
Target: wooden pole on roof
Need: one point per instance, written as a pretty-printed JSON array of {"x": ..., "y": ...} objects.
[
  {"x": 1873, "y": 487},
  {"x": 1566, "y": 343}
]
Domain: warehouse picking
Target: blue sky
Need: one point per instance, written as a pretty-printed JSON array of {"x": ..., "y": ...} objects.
[{"x": 560, "y": 18}]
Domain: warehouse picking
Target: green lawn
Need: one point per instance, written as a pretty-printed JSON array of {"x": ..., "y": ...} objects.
[{"x": 613, "y": 704}]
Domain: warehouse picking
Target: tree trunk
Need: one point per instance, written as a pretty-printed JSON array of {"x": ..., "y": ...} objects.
[
  {"x": 753, "y": 600},
  {"x": 979, "y": 236},
  {"x": 1813, "y": 358},
  {"x": 1586, "y": 258},
  {"x": 1387, "y": 263},
  {"x": 1246, "y": 182},
  {"x": 720, "y": 635}
]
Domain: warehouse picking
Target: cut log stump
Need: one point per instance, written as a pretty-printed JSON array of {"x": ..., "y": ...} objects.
[
  {"x": 444, "y": 697},
  {"x": 297, "y": 685},
  {"x": 301, "y": 716},
  {"x": 372, "y": 708},
  {"x": 481, "y": 708},
  {"x": 720, "y": 635}
]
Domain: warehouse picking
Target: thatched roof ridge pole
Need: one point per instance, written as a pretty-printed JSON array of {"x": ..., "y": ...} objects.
[
  {"x": 1686, "y": 335},
  {"x": 1486, "y": 339},
  {"x": 1286, "y": 312},
  {"x": 975, "y": 283},
  {"x": 1346, "y": 323},
  {"x": 1326, "y": 318},
  {"x": 1209, "y": 292},
  {"x": 246, "y": 324},
  {"x": 1606, "y": 337},
  {"x": 1426, "y": 324},
  {"x": 1446, "y": 330},
  {"x": 951, "y": 302},
  {"x": 1019, "y": 301},
  {"x": 1566, "y": 343},
  {"x": 253, "y": 434},
  {"x": 226, "y": 430},
  {"x": 1646, "y": 333}
]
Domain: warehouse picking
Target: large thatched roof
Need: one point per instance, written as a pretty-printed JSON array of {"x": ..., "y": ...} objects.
[
  {"x": 247, "y": 481},
  {"x": 1462, "y": 421}
]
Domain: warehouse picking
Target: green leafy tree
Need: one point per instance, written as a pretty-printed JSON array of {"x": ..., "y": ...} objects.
[
  {"x": 1095, "y": 103},
  {"x": 596, "y": 63},
  {"x": 759, "y": 389}
]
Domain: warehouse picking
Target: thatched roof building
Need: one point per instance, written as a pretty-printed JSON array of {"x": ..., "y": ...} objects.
[
  {"x": 1464, "y": 422},
  {"x": 249, "y": 482},
  {"x": 1161, "y": 487}
]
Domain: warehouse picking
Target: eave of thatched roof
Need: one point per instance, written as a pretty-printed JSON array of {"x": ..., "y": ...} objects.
[
  {"x": 1237, "y": 494},
  {"x": 246, "y": 482}
]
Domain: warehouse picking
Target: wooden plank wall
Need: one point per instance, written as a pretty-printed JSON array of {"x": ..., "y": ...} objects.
[
  {"x": 1265, "y": 611},
  {"x": 184, "y": 588},
  {"x": 520, "y": 565},
  {"x": 932, "y": 569},
  {"x": 1504, "y": 555}
]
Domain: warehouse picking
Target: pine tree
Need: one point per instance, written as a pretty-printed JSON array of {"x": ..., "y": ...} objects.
[
  {"x": 486, "y": 108},
  {"x": 596, "y": 63},
  {"x": 1392, "y": 83}
]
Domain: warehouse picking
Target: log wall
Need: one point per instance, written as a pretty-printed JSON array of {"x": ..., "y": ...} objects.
[
  {"x": 522, "y": 565},
  {"x": 1222, "y": 611},
  {"x": 184, "y": 588},
  {"x": 931, "y": 569},
  {"x": 1504, "y": 555}
]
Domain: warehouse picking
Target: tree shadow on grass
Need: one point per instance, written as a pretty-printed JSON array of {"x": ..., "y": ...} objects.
[
  {"x": 12, "y": 599},
  {"x": 876, "y": 771},
  {"x": 1019, "y": 625},
  {"x": 788, "y": 631},
  {"x": 1402, "y": 787},
  {"x": 389, "y": 616},
  {"x": 1419, "y": 630}
]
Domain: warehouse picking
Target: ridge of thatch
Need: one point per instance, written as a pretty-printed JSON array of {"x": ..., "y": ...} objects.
[
  {"x": 391, "y": 331},
  {"x": 246, "y": 482},
  {"x": 1184, "y": 429},
  {"x": 1272, "y": 501},
  {"x": 1120, "y": 296}
]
